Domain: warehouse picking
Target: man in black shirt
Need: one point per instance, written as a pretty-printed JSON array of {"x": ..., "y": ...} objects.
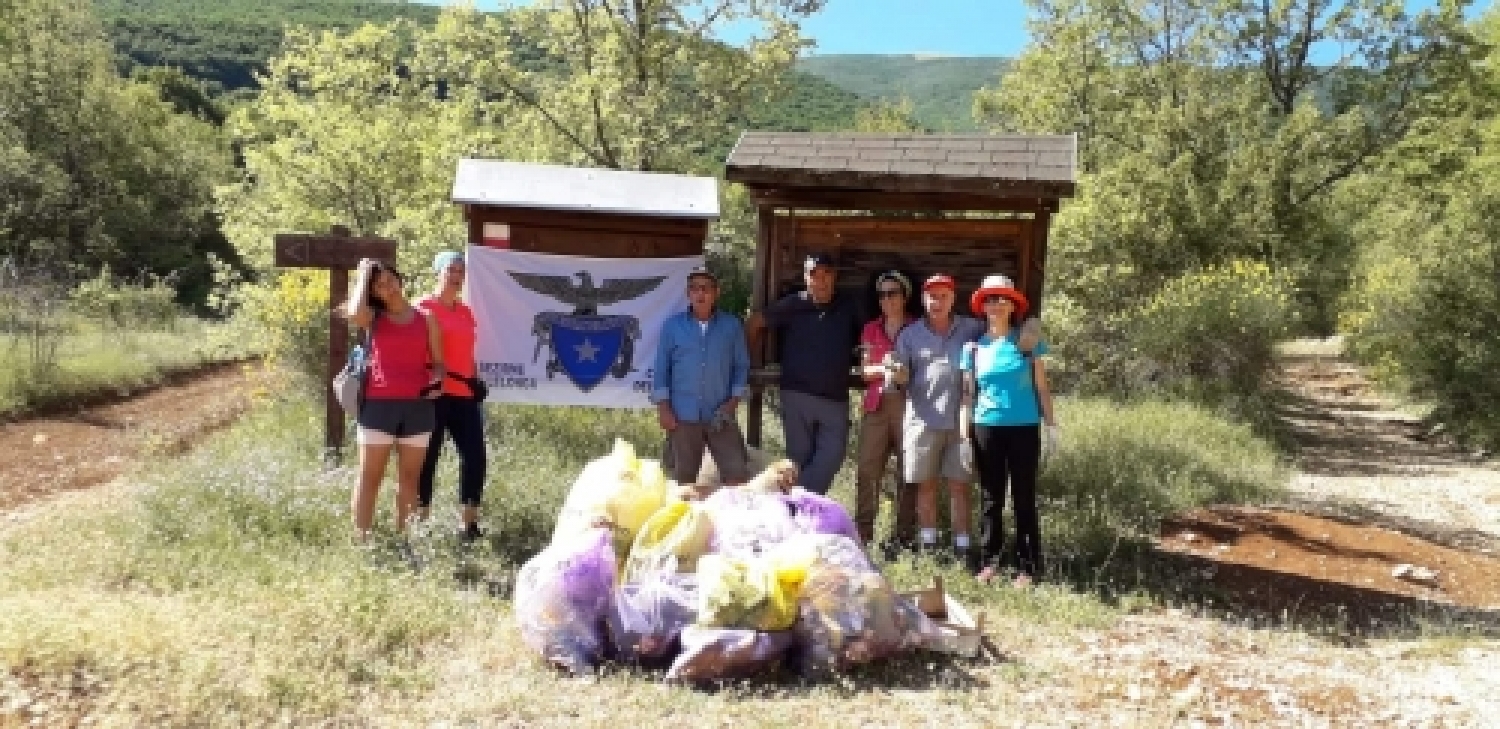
[{"x": 817, "y": 331}]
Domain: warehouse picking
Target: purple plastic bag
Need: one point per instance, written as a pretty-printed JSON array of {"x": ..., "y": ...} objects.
[
  {"x": 817, "y": 514},
  {"x": 562, "y": 597},
  {"x": 716, "y": 654},
  {"x": 647, "y": 617}
]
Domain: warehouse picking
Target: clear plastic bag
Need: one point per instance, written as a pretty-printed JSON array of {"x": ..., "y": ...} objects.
[
  {"x": 756, "y": 593},
  {"x": 818, "y": 514},
  {"x": 748, "y": 524},
  {"x": 619, "y": 489},
  {"x": 562, "y": 597},
  {"x": 715, "y": 654},
  {"x": 847, "y": 611},
  {"x": 677, "y": 534},
  {"x": 647, "y": 617}
]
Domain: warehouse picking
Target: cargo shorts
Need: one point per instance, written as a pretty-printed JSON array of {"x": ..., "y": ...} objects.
[{"x": 931, "y": 453}]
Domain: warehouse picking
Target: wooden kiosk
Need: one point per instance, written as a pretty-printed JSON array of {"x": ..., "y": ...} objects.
[
  {"x": 575, "y": 211},
  {"x": 965, "y": 205}
]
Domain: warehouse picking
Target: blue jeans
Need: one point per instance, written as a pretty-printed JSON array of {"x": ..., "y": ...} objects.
[
  {"x": 817, "y": 436},
  {"x": 462, "y": 418}
]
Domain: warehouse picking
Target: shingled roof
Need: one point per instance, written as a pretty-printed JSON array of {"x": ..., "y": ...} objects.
[{"x": 1000, "y": 165}]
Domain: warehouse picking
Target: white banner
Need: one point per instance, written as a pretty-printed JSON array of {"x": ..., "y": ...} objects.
[{"x": 569, "y": 330}]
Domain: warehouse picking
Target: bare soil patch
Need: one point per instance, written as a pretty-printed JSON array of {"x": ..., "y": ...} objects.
[
  {"x": 63, "y": 452},
  {"x": 1383, "y": 515}
]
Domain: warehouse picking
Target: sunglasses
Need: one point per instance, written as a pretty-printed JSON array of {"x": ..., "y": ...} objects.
[
  {"x": 995, "y": 299},
  {"x": 890, "y": 293}
]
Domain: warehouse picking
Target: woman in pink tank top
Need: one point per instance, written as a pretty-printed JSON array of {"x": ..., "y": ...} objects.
[{"x": 396, "y": 411}]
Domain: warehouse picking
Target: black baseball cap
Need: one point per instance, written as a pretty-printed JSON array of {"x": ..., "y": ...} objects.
[
  {"x": 702, "y": 272},
  {"x": 818, "y": 259}
]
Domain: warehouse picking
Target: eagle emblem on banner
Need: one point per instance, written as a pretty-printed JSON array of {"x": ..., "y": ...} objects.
[{"x": 584, "y": 344}]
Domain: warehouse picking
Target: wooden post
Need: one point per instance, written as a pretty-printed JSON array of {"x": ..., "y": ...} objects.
[
  {"x": 755, "y": 417},
  {"x": 1041, "y": 223},
  {"x": 338, "y": 252}
]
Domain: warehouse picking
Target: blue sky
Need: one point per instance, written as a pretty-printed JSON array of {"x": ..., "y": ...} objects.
[{"x": 952, "y": 27}]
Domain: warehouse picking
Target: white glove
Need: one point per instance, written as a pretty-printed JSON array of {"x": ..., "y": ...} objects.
[
  {"x": 1051, "y": 440},
  {"x": 966, "y": 454}
]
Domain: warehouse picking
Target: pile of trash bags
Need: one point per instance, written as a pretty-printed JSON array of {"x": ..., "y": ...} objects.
[{"x": 723, "y": 587}]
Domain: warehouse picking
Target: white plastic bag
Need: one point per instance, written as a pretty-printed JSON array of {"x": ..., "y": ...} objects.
[{"x": 648, "y": 617}]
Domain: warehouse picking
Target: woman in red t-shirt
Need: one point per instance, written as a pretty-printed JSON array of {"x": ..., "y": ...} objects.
[
  {"x": 459, "y": 412},
  {"x": 406, "y": 370}
]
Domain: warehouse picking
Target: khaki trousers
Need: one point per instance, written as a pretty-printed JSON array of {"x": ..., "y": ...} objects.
[{"x": 879, "y": 439}]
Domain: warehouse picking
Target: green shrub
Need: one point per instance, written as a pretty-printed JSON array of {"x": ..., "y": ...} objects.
[
  {"x": 150, "y": 304},
  {"x": 1425, "y": 319},
  {"x": 1214, "y": 328}
]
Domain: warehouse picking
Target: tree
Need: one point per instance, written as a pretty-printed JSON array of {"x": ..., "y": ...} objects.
[
  {"x": 95, "y": 170},
  {"x": 351, "y": 130},
  {"x": 1210, "y": 131},
  {"x": 630, "y": 84}
]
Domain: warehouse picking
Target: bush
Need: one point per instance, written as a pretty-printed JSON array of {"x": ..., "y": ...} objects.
[
  {"x": 284, "y": 318},
  {"x": 149, "y": 304},
  {"x": 1425, "y": 319}
]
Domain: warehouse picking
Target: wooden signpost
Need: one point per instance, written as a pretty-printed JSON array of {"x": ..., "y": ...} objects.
[{"x": 338, "y": 252}]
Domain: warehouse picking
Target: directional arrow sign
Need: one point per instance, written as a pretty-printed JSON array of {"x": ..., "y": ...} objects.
[{"x": 330, "y": 251}]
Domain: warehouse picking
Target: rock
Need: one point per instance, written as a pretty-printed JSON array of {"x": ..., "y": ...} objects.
[
  {"x": 1188, "y": 537},
  {"x": 1414, "y": 573}
]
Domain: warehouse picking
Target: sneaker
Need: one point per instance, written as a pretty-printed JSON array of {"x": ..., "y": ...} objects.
[
  {"x": 470, "y": 534},
  {"x": 1022, "y": 581},
  {"x": 987, "y": 575}
]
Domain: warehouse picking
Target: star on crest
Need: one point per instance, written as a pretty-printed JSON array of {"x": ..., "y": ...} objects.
[{"x": 586, "y": 351}]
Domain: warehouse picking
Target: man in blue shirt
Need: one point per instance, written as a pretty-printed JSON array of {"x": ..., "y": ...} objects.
[{"x": 702, "y": 371}]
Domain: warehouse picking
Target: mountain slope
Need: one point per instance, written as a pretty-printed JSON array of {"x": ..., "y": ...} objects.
[
  {"x": 226, "y": 42},
  {"x": 941, "y": 88}
]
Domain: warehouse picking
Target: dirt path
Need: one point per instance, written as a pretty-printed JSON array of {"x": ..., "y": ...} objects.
[
  {"x": 1362, "y": 459},
  {"x": 59, "y": 453}
]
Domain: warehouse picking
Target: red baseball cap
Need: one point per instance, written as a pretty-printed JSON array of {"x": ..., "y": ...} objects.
[{"x": 938, "y": 279}]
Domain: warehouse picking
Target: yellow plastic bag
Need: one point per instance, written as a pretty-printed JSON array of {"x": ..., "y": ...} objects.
[
  {"x": 619, "y": 490},
  {"x": 755, "y": 593},
  {"x": 673, "y": 538},
  {"x": 639, "y": 497}
]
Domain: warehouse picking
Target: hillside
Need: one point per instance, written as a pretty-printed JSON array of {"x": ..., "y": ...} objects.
[
  {"x": 224, "y": 43},
  {"x": 940, "y": 88}
]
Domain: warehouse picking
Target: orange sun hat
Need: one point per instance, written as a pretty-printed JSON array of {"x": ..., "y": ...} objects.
[{"x": 996, "y": 284}]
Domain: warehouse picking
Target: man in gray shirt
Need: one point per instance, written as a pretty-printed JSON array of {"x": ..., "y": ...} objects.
[{"x": 927, "y": 355}]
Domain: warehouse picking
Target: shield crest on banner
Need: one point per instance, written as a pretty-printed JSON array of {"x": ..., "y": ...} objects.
[{"x": 586, "y": 348}]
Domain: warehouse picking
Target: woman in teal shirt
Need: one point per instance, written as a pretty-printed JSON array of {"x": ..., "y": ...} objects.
[{"x": 1006, "y": 401}]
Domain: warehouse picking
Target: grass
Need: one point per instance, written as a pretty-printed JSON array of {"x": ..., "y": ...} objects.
[
  {"x": 89, "y": 361},
  {"x": 225, "y": 593}
]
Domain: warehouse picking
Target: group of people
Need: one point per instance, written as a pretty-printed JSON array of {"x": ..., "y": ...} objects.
[
  {"x": 951, "y": 396},
  {"x": 420, "y": 390}
]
